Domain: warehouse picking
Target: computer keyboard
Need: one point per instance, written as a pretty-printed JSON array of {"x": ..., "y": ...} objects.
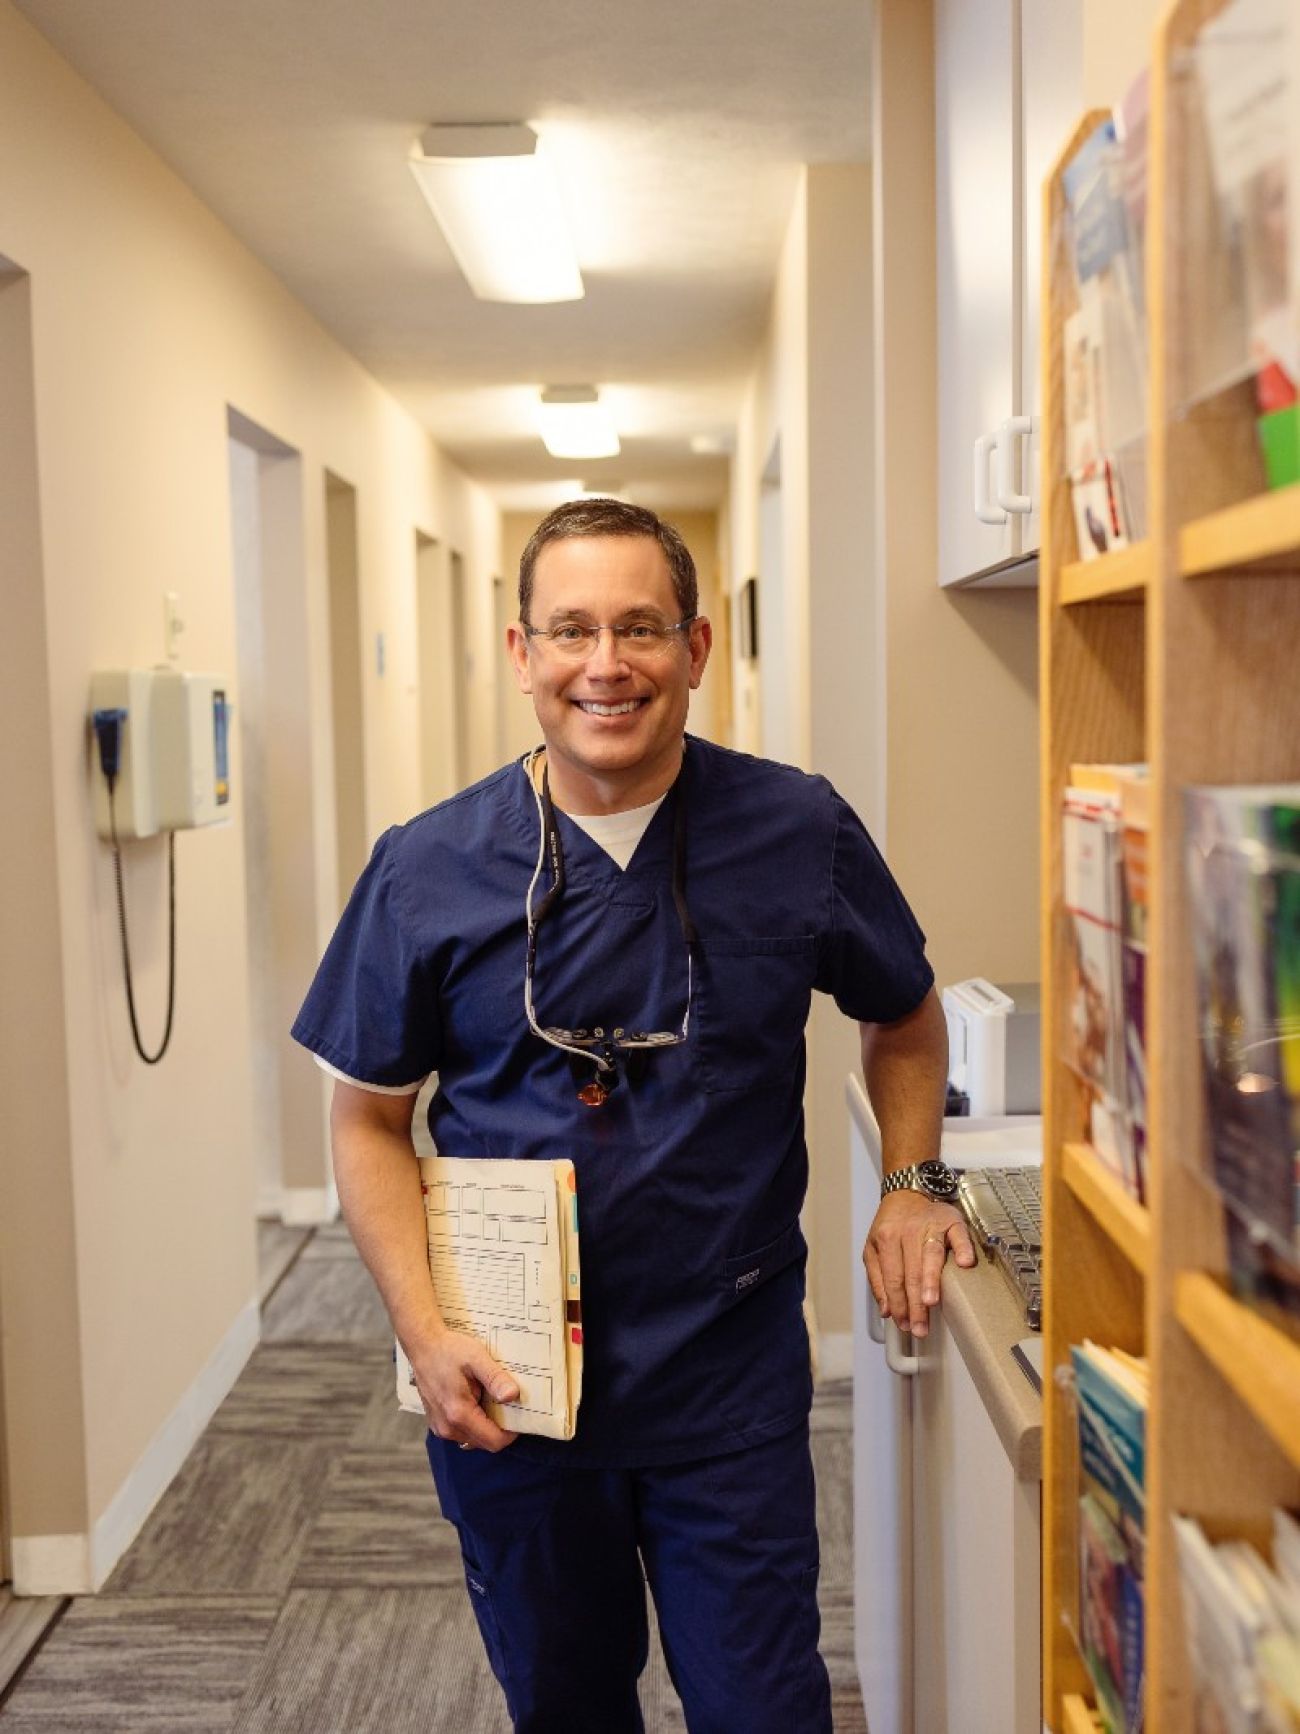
[{"x": 1004, "y": 1206}]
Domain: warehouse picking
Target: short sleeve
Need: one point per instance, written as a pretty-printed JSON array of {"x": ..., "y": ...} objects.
[
  {"x": 873, "y": 955},
  {"x": 372, "y": 1011}
]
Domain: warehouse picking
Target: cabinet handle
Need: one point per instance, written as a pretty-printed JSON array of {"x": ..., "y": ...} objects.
[
  {"x": 906, "y": 1366},
  {"x": 1013, "y": 428},
  {"x": 986, "y": 513}
]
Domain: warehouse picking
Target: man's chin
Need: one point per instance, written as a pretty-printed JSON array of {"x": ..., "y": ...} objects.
[{"x": 612, "y": 755}]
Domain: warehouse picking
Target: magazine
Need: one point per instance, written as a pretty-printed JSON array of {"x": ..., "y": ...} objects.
[
  {"x": 1112, "y": 1389},
  {"x": 1243, "y": 866}
]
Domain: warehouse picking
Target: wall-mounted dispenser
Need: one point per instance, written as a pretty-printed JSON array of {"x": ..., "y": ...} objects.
[
  {"x": 163, "y": 749},
  {"x": 174, "y": 750}
]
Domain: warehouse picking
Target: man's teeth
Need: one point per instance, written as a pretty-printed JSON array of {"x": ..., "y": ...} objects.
[{"x": 594, "y": 709}]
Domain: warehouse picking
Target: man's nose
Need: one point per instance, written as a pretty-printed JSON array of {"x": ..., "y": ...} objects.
[{"x": 608, "y": 658}]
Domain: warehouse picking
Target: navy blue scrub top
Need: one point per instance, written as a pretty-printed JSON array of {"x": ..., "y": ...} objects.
[{"x": 690, "y": 1180}]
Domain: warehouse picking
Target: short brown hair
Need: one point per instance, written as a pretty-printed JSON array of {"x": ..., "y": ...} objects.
[{"x": 611, "y": 518}]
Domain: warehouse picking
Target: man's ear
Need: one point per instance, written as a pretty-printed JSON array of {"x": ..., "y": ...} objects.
[
  {"x": 701, "y": 643},
  {"x": 517, "y": 648}
]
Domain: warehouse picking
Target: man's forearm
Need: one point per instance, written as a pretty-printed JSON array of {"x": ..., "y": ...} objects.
[
  {"x": 378, "y": 1181},
  {"x": 905, "y": 1065}
]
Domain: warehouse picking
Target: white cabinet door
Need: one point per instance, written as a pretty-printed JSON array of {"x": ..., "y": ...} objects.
[
  {"x": 882, "y": 1471},
  {"x": 975, "y": 1552},
  {"x": 977, "y": 246},
  {"x": 1051, "y": 59}
]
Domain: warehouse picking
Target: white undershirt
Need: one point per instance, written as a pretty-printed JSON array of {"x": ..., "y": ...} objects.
[{"x": 618, "y": 833}]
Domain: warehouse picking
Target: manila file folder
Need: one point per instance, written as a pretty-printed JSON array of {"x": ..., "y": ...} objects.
[{"x": 503, "y": 1254}]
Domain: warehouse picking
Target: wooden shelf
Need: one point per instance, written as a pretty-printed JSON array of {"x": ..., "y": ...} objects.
[
  {"x": 1077, "y": 1717},
  {"x": 1260, "y": 1362},
  {"x": 1117, "y": 577},
  {"x": 1201, "y": 686},
  {"x": 1259, "y": 535},
  {"x": 1127, "y": 1222}
]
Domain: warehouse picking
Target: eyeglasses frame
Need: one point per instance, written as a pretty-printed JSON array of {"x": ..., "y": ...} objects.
[{"x": 547, "y": 633}]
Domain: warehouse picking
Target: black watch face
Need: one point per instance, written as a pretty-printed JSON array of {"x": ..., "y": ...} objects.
[{"x": 938, "y": 1179}]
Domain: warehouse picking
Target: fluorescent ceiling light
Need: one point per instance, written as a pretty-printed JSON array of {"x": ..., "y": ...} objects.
[
  {"x": 573, "y": 423},
  {"x": 494, "y": 194}
]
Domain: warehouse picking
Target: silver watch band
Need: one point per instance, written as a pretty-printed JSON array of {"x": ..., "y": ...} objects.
[{"x": 902, "y": 1180}]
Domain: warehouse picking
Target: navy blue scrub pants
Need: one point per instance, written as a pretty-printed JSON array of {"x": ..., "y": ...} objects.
[{"x": 554, "y": 1559}]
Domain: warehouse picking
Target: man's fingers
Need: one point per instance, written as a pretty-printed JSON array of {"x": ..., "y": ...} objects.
[
  {"x": 874, "y": 1279},
  {"x": 933, "y": 1253},
  {"x": 497, "y": 1381},
  {"x": 916, "y": 1250},
  {"x": 456, "y": 1381},
  {"x": 481, "y": 1433},
  {"x": 963, "y": 1247},
  {"x": 465, "y": 1423},
  {"x": 893, "y": 1275}
]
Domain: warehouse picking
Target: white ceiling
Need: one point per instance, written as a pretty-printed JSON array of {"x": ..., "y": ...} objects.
[{"x": 676, "y": 128}]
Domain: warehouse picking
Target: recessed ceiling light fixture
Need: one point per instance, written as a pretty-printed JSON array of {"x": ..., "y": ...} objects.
[
  {"x": 574, "y": 424},
  {"x": 495, "y": 196}
]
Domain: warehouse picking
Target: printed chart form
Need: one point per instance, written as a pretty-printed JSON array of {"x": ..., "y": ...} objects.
[{"x": 494, "y": 1251}]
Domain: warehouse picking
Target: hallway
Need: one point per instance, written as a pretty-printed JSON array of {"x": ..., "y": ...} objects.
[{"x": 295, "y": 1579}]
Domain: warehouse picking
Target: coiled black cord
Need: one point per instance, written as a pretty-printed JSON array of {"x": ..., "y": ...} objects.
[{"x": 149, "y": 1059}]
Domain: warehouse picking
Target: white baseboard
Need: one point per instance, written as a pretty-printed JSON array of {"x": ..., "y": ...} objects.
[
  {"x": 45, "y": 1565},
  {"x": 308, "y": 1206},
  {"x": 270, "y": 1201},
  {"x": 835, "y": 1355},
  {"x": 51, "y": 1565}
]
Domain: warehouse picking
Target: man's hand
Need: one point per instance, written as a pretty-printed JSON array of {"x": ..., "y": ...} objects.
[
  {"x": 905, "y": 1252},
  {"x": 451, "y": 1374}
]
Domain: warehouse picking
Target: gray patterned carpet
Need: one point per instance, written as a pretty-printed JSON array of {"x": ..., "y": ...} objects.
[{"x": 296, "y": 1578}]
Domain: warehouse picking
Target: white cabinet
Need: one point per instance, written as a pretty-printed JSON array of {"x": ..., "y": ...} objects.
[
  {"x": 946, "y": 1528},
  {"x": 1008, "y": 86},
  {"x": 975, "y": 262}
]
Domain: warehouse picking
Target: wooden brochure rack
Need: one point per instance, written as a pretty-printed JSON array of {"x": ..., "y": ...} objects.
[{"x": 1183, "y": 650}]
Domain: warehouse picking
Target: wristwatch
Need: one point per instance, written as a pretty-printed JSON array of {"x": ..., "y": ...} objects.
[{"x": 934, "y": 1178}]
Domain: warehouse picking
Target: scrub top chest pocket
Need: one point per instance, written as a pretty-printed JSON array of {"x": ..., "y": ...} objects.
[{"x": 753, "y": 995}]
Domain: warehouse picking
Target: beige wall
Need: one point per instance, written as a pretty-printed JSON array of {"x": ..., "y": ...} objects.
[
  {"x": 844, "y": 647},
  {"x": 126, "y": 1194}
]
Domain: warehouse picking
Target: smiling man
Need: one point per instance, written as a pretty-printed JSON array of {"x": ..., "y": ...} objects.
[{"x": 704, "y": 896}]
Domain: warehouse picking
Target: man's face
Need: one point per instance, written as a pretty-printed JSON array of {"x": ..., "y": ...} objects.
[{"x": 617, "y": 717}]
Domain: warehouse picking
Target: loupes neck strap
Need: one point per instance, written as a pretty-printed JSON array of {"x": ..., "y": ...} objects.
[{"x": 595, "y": 1049}]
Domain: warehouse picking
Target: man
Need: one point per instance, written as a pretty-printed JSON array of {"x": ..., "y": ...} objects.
[{"x": 699, "y": 896}]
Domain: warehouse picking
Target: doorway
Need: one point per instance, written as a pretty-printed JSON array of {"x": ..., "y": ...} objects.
[
  {"x": 443, "y": 669},
  {"x": 770, "y": 670},
  {"x": 352, "y": 842},
  {"x": 278, "y": 817}
]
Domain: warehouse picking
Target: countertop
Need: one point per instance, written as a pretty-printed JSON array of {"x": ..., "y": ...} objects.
[{"x": 984, "y": 1319}]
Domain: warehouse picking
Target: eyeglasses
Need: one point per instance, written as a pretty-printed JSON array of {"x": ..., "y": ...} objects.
[
  {"x": 642, "y": 640},
  {"x": 598, "y": 1047}
]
